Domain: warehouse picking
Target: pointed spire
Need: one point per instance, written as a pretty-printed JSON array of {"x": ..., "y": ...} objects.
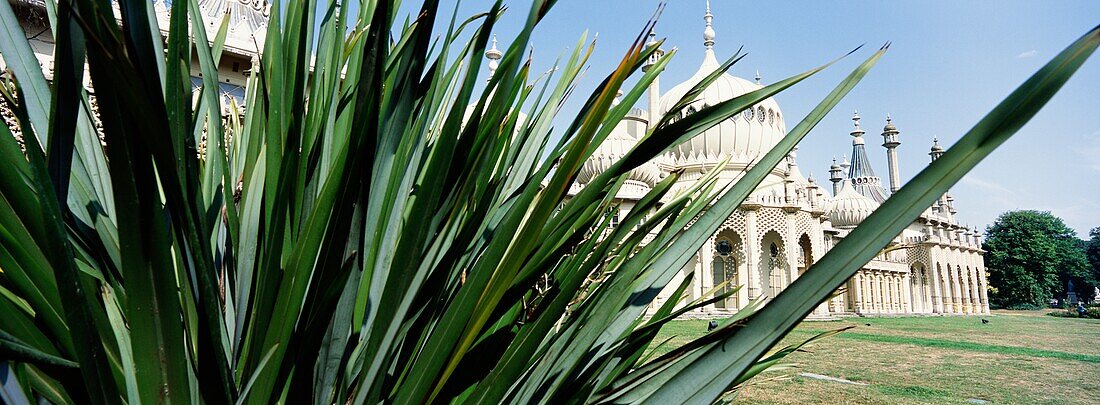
[
  {"x": 708, "y": 32},
  {"x": 617, "y": 99},
  {"x": 844, "y": 164},
  {"x": 494, "y": 55},
  {"x": 757, "y": 76},
  {"x": 857, "y": 132}
]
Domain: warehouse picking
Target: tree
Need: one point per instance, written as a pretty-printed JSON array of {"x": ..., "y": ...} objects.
[
  {"x": 1032, "y": 256},
  {"x": 1092, "y": 253}
]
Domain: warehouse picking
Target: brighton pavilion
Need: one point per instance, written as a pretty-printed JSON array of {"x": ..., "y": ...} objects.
[{"x": 935, "y": 266}]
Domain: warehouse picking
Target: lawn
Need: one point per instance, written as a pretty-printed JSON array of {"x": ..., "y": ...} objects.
[{"x": 1018, "y": 357}]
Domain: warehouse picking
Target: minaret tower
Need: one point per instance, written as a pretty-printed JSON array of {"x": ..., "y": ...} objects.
[
  {"x": 494, "y": 55},
  {"x": 655, "y": 86},
  {"x": 835, "y": 177},
  {"x": 890, "y": 142},
  {"x": 936, "y": 152}
]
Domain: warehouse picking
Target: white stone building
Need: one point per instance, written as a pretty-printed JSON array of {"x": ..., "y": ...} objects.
[{"x": 934, "y": 267}]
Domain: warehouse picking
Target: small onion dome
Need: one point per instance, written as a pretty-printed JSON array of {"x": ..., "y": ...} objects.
[
  {"x": 890, "y": 127},
  {"x": 617, "y": 144},
  {"x": 936, "y": 145},
  {"x": 848, "y": 208}
]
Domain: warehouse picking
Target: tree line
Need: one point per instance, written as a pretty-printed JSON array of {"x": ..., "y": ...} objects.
[{"x": 1033, "y": 257}]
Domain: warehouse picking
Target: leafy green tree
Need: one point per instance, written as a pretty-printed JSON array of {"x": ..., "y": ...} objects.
[
  {"x": 1032, "y": 255},
  {"x": 1092, "y": 253}
]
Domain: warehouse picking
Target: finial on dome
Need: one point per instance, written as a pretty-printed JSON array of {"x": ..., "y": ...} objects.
[
  {"x": 494, "y": 55},
  {"x": 889, "y": 127},
  {"x": 616, "y": 100},
  {"x": 937, "y": 150},
  {"x": 708, "y": 32},
  {"x": 844, "y": 164},
  {"x": 757, "y": 76},
  {"x": 858, "y": 132}
]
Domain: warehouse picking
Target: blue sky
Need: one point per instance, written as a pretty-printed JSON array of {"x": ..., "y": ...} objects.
[{"x": 949, "y": 64}]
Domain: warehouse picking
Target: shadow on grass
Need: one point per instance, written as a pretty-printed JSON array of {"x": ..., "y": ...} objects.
[{"x": 969, "y": 346}]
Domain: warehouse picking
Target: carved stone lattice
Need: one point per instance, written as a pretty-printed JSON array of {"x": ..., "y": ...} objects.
[
  {"x": 772, "y": 219},
  {"x": 919, "y": 254},
  {"x": 8, "y": 114},
  {"x": 97, "y": 122}
]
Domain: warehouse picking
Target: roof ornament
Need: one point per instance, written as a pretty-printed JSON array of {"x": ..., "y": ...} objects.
[
  {"x": 617, "y": 100},
  {"x": 494, "y": 55},
  {"x": 757, "y": 76},
  {"x": 844, "y": 164},
  {"x": 708, "y": 33},
  {"x": 857, "y": 133}
]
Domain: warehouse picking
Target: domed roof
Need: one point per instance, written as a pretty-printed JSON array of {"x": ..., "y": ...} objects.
[
  {"x": 247, "y": 22},
  {"x": 848, "y": 208},
  {"x": 745, "y": 136},
  {"x": 617, "y": 144}
]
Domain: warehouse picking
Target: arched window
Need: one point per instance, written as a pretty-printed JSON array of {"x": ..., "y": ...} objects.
[{"x": 723, "y": 269}]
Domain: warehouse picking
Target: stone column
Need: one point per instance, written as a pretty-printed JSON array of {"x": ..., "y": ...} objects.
[
  {"x": 956, "y": 289},
  {"x": 964, "y": 278},
  {"x": 868, "y": 292},
  {"x": 907, "y": 285},
  {"x": 704, "y": 278},
  {"x": 888, "y": 293},
  {"x": 926, "y": 287},
  {"x": 880, "y": 288},
  {"x": 899, "y": 298},
  {"x": 742, "y": 278},
  {"x": 975, "y": 297},
  {"x": 857, "y": 292},
  {"x": 913, "y": 290},
  {"x": 948, "y": 300},
  {"x": 752, "y": 251},
  {"x": 934, "y": 282}
]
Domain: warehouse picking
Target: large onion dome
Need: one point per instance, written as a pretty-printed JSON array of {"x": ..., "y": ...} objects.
[
  {"x": 848, "y": 208},
  {"x": 745, "y": 136},
  {"x": 617, "y": 144}
]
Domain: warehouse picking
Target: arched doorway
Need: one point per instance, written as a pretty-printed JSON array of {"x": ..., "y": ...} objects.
[
  {"x": 918, "y": 285},
  {"x": 805, "y": 254},
  {"x": 773, "y": 264},
  {"x": 724, "y": 266}
]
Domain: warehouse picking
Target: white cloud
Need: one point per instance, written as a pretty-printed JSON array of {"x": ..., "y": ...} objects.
[
  {"x": 985, "y": 184},
  {"x": 1028, "y": 54}
]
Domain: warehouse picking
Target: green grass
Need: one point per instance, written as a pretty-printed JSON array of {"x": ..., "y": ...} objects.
[
  {"x": 1019, "y": 357},
  {"x": 947, "y": 344}
]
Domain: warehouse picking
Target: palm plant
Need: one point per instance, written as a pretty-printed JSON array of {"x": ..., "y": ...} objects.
[{"x": 374, "y": 229}]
